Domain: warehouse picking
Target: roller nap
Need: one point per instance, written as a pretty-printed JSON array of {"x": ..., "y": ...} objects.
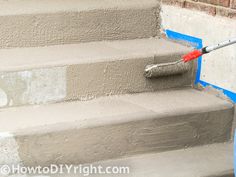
[{"x": 166, "y": 69}]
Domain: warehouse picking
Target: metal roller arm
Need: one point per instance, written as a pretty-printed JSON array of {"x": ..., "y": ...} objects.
[{"x": 220, "y": 45}]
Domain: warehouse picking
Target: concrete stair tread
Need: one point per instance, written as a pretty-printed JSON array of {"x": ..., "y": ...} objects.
[
  {"x": 15, "y": 7},
  {"x": 110, "y": 110},
  {"x": 214, "y": 160},
  {"x": 91, "y": 52}
]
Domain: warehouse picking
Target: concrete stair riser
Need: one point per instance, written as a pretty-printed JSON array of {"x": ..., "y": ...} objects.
[
  {"x": 82, "y": 82},
  {"x": 119, "y": 77},
  {"x": 33, "y": 26}
]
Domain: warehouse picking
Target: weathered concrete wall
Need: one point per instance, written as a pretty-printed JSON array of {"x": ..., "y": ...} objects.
[{"x": 218, "y": 68}]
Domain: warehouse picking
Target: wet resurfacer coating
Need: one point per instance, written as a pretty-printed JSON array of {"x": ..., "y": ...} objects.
[{"x": 166, "y": 69}]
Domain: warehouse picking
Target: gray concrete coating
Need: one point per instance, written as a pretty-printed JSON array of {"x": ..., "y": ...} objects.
[
  {"x": 85, "y": 71},
  {"x": 137, "y": 124},
  {"x": 32, "y": 23}
]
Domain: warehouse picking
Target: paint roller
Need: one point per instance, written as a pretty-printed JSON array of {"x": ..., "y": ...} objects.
[{"x": 182, "y": 66}]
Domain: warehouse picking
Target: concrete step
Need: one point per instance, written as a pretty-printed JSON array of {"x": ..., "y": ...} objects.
[
  {"x": 84, "y": 71},
  {"x": 206, "y": 161},
  {"x": 31, "y": 23},
  {"x": 112, "y": 127},
  {"x": 214, "y": 160}
]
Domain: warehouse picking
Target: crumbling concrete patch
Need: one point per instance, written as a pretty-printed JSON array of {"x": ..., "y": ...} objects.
[
  {"x": 3, "y": 98},
  {"x": 36, "y": 86},
  {"x": 8, "y": 149},
  {"x": 211, "y": 90}
]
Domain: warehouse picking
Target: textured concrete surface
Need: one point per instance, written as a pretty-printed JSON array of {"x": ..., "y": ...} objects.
[
  {"x": 85, "y": 71},
  {"x": 137, "y": 124},
  {"x": 206, "y": 161},
  {"x": 38, "y": 23},
  {"x": 91, "y": 52},
  {"x": 37, "y": 86},
  {"x": 8, "y": 149},
  {"x": 234, "y": 124}
]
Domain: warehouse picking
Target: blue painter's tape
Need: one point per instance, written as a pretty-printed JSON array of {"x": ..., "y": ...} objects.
[
  {"x": 197, "y": 43},
  {"x": 230, "y": 94}
]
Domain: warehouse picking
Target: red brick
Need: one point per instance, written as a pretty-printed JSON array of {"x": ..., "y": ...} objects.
[
  {"x": 208, "y": 8},
  {"x": 201, "y": 6},
  {"x": 224, "y": 3},
  {"x": 179, "y": 3},
  {"x": 233, "y": 4},
  {"x": 226, "y": 12}
]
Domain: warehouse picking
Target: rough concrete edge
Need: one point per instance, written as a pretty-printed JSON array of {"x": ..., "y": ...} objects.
[
  {"x": 229, "y": 173},
  {"x": 219, "y": 93},
  {"x": 234, "y": 124},
  {"x": 212, "y": 91},
  {"x": 9, "y": 150},
  {"x": 116, "y": 6},
  {"x": 158, "y": 19},
  {"x": 68, "y": 126}
]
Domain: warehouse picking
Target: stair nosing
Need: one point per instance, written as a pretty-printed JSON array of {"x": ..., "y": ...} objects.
[
  {"x": 121, "y": 108},
  {"x": 71, "y": 54}
]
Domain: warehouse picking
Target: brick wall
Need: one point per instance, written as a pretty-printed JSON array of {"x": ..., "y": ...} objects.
[{"x": 226, "y": 8}]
